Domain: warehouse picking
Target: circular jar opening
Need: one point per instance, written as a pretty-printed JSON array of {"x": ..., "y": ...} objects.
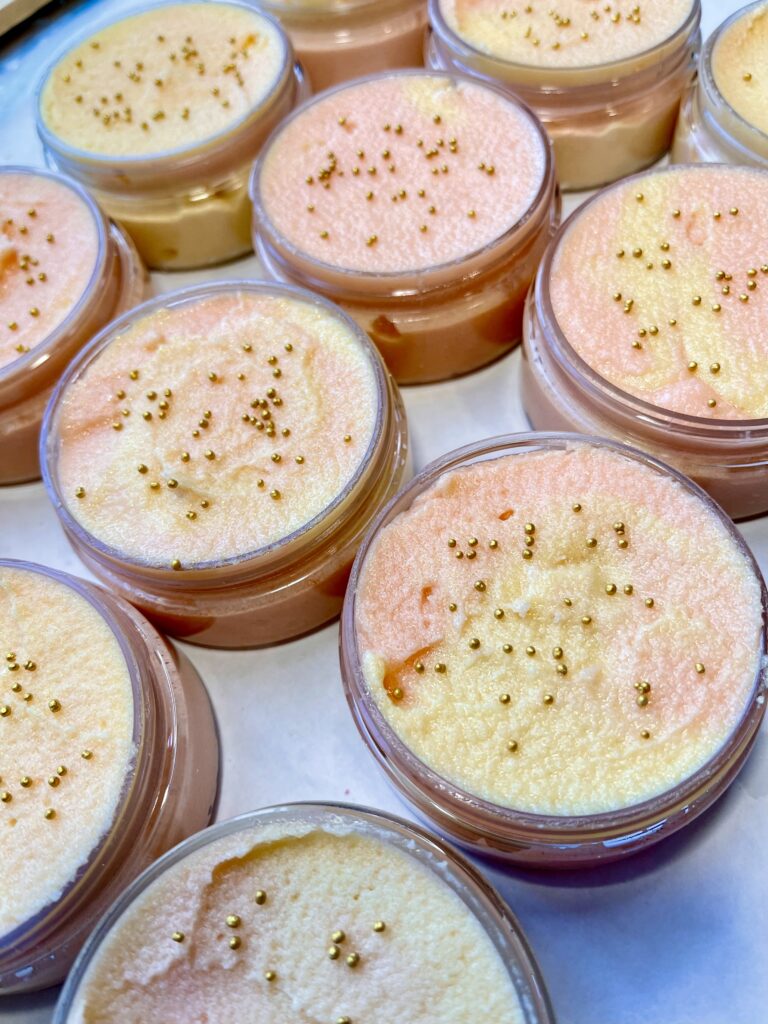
[
  {"x": 645, "y": 324},
  {"x": 161, "y": 113},
  {"x": 92, "y": 762},
  {"x": 606, "y": 83},
  {"x": 337, "y": 40},
  {"x": 554, "y": 646},
  {"x": 723, "y": 116},
  {"x": 216, "y": 454},
  {"x": 421, "y": 203},
  {"x": 244, "y": 896},
  {"x": 65, "y": 272}
]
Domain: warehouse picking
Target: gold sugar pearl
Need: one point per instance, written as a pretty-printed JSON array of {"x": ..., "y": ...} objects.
[
  {"x": 379, "y": 926},
  {"x": 270, "y": 975},
  {"x": 334, "y": 952},
  {"x": 54, "y": 705},
  {"x": 233, "y": 920},
  {"x": 260, "y": 898},
  {"x": 440, "y": 668},
  {"x": 700, "y": 668},
  {"x": 338, "y": 936},
  {"x": 50, "y": 814},
  {"x": 235, "y": 942},
  {"x": 549, "y": 698},
  {"x": 504, "y": 698},
  {"x": 353, "y": 959},
  {"x": 177, "y": 936}
]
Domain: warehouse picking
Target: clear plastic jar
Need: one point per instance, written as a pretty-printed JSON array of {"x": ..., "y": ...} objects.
[
  {"x": 280, "y": 591},
  {"x": 186, "y": 207},
  {"x": 709, "y": 130},
  {"x": 561, "y": 391},
  {"x": 605, "y": 120},
  {"x": 349, "y": 38},
  {"x": 433, "y": 323},
  {"x": 443, "y": 864},
  {"x": 118, "y": 283},
  {"x": 540, "y": 840},
  {"x": 169, "y": 792}
]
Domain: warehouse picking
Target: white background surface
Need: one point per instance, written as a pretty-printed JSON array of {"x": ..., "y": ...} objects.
[{"x": 678, "y": 935}]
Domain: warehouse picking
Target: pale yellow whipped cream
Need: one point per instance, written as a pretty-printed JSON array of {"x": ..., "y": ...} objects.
[
  {"x": 165, "y": 79},
  {"x": 740, "y": 66},
  {"x": 66, "y": 728},
  {"x": 570, "y": 34}
]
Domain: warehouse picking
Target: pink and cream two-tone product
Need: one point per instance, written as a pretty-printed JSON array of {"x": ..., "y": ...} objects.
[
  {"x": 554, "y": 646},
  {"x": 647, "y": 323},
  {"x": 64, "y": 272}
]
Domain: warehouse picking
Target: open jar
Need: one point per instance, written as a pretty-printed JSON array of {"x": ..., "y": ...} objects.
[
  {"x": 160, "y": 115},
  {"x": 216, "y": 455},
  {"x": 267, "y": 940},
  {"x": 606, "y": 85},
  {"x": 525, "y": 653},
  {"x": 421, "y": 203},
  {"x": 109, "y": 758},
  {"x": 344, "y": 39},
  {"x": 66, "y": 272},
  {"x": 663, "y": 346},
  {"x": 723, "y": 115}
]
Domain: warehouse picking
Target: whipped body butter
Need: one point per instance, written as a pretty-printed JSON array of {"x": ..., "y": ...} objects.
[
  {"x": 216, "y": 455},
  {"x": 336, "y": 40},
  {"x": 160, "y": 115},
  {"x": 421, "y": 203},
  {"x": 65, "y": 271},
  {"x": 647, "y": 323},
  {"x": 555, "y": 648},
  {"x": 724, "y": 117},
  {"x": 605, "y": 78},
  {"x": 329, "y": 914},
  {"x": 108, "y": 757}
]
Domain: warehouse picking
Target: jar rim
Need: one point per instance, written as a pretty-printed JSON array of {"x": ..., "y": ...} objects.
[
  {"x": 337, "y": 9},
  {"x": 612, "y": 69},
  {"x": 460, "y": 803},
  {"x": 290, "y": 545},
  {"x": 587, "y": 379},
  {"x": 401, "y": 279},
  {"x": 446, "y": 865},
  {"x": 50, "y": 915},
  {"x": 709, "y": 83},
  {"x": 39, "y": 353},
  {"x": 52, "y": 143}
]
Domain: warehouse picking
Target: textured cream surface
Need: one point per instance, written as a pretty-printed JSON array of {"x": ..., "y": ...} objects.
[
  {"x": 250, "y": 444},
  {"x": 402, "y": 173},
  {"x": 48, "y": 249},
  {"x": 570, "y": 34},
  {"x": 685, "y": 335},
  {"x": 740, "y": 67},
  {"x": 170, "y": 77},
  {"x": 65, "y": 652},
  {"x": 584, "y": 751},
  {"x": 432, "y": 963}
]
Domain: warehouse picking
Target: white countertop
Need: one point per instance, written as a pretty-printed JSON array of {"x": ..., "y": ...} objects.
[{"x": 677, "y": 935}]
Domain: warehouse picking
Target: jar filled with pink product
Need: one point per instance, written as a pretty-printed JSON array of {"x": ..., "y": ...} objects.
[
  {"x": 724, "y": 115},
  {"x": 647, "y": 323},
  {"x": 419, "y": 202},
  {"x": 108, "y": 757},
  {"x": 554, "y": 646},
  {"x": 606, "y": 80},
  {"x": 65, "y": 271},
  {"x": 216, "y": 456},
  {"x": 336, "y": 40}
]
